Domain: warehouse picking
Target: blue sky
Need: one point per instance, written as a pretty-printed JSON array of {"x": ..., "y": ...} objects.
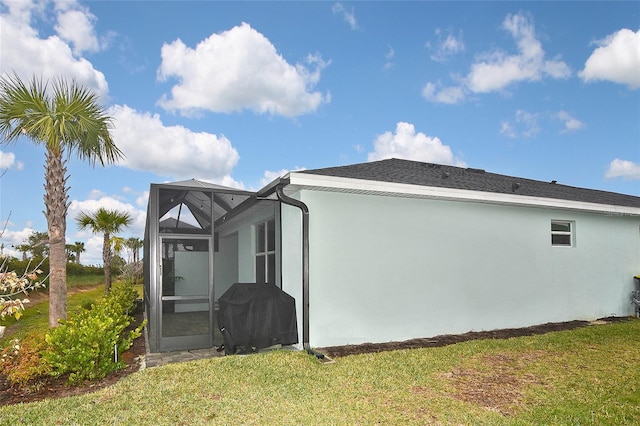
[{"x": 238, "y": 93}]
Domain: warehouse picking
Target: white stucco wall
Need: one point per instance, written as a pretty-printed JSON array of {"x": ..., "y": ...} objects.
[
  {"x": 225, "y": 267},
  {"x": 386, "y": 268}
]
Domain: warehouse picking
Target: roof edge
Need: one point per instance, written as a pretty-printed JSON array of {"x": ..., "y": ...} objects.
[
  {"x": 200, "y": 184},
  {"x": 351, "y": 185}
]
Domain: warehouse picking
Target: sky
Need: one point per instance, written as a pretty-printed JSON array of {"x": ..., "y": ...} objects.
[{"x": 239, "y": 93}]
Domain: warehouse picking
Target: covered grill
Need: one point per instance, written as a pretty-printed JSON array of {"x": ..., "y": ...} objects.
[{"x": 256, "y": 316}]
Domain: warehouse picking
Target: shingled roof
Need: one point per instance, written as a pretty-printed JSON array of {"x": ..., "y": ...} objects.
[{"x": 442, "y": 176}]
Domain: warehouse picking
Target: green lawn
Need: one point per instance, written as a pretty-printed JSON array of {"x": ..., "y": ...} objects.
[
  {"x": 587, "y": 376},
  {"x": 36, "y": 315},
  {"x": 83, "y": 291},
  {"x": 74, "y": 281}
]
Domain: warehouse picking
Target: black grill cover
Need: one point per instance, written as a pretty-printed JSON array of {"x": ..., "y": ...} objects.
[{"x": 255, "y": 316}]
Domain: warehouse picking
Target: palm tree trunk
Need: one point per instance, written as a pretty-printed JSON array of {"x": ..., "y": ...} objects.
[
  {"x": 55, "y": 201},
  {"x": 106, "y": 260}
]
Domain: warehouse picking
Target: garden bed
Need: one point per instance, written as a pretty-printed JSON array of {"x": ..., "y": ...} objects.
[
  {"x": 52, "y": 387},
  {"x": 450, "y": 339}
]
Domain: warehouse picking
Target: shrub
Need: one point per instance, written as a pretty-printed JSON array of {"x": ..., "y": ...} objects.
[
  {"x": 123, "y": 296},
  {"x": 86, "y": 345},
  {"x": 77, "y": 269},
  {"x": 87, "y": 303},
  {"x": 22, "y": 363}
]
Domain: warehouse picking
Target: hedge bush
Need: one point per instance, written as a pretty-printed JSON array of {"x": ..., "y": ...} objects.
[
  {"x": 20, "y": 266},
  {"x": 88, "y": 345}
]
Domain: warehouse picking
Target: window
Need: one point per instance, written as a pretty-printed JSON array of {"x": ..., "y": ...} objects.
[
  {"x": 266, "y": 252},
  {"x": 561, "y": 233}
]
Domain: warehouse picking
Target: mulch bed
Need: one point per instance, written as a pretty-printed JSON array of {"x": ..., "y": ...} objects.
[
  {"x": 58, "y": 387},
  {"x": 450, "y": 339},
  {"x": 51, "y": 387}
]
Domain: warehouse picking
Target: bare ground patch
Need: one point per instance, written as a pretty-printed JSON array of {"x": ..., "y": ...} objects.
[{"x": 496, "y": 382}]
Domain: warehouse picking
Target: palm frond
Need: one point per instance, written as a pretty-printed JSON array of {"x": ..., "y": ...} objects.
[
  {"x": 23, "y": 109},
  {"x": 85, "y": 122},
  {"x": 69, "y": 118}
]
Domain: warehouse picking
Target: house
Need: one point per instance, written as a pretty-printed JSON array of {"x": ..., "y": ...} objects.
[{"x": 390, "y": 250}]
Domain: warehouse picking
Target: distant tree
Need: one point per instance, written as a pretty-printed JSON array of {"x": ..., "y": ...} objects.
[
  {"x": 66, "y": 119},
  {"x": 77, "y": 248},
  {"x": 71, "y": 257},
  {"x": 24, "y": 249},
  {"x": 107, "y": 222},
  {"x": 38, "y": 244},
  {"x": 134, "y": 244}
]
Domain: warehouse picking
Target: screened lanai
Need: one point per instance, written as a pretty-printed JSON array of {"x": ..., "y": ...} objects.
[{"x": 180, "y": 246}]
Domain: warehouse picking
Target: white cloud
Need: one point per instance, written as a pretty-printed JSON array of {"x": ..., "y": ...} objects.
[
  {"x": 405, "y": 143},
  {"x": 95, "y": 194},
  {"x": 172, "y": 151},
  {"x": 75, "y": 26},
  {"x": 347, "y": 14},
  {"x": 617, "y": 59},
  {"x": 388, "y": 64},
  {"x": 507, "y": 129},
  {"x": 12, "y": 239},
  {"x": 625, "y": 169},
  {"x": 390, "y": 54},
  {"x": 23, "y": 50},
  {"x": 496, "y": 70},
  {"x": 571, "y": 124},
  {"x": 143, "y": 199},
  {"x": 525, "y": 125},
  {"x": 446, "y": 46},
  {"x": 445, "y": 95},
  {"x": 8, "y": 161},
  {"x": 269, "y": 175},
  {"x": 235, "y": 70}
]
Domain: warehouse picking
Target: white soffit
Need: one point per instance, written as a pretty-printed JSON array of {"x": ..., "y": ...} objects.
[{"x": 361, "y": 186}]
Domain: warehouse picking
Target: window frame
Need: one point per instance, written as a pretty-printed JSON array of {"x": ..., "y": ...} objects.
[
  {"x": 570, "y": 233},
  {"x": 266, "y": 250}
]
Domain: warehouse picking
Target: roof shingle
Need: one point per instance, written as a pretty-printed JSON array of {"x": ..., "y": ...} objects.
[{"x": 437, "y": 175}]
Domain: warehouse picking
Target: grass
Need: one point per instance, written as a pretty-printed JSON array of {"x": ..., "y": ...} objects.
[
  {"x": 83, "y": 291},
  {"x": 74, "y": 281},
  {"x": 587, "y": 376}
]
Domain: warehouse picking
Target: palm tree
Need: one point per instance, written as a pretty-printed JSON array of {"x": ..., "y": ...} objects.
[
  {"x": 71, "y": 257},
  {"x": 118, "y": 244},
  {"x": 66, "y": 119},
  {"x": 78, "y": 248},
  {"x": 134, "y": 244},
  {"x": 107, "y": 222}
]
